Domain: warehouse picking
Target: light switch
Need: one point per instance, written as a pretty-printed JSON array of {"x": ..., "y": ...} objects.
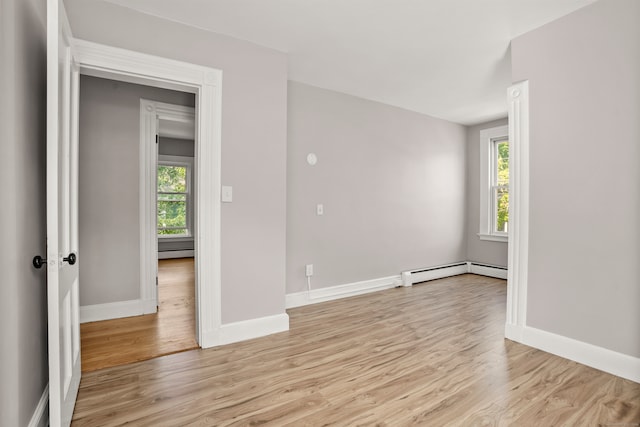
[
  {"x": 227, "y": 193},
  {"x": 320, "y": 209}
]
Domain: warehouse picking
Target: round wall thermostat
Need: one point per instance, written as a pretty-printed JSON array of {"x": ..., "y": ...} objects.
[{"x": 312, "y": 159}]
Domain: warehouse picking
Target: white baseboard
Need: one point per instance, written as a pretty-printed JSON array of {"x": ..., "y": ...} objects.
[
  {"x": 40, "y": 417},
  {"x": 116, "y": 310},
  {"x": 600, "y": 358},
  {"x": 487, "y": 270},
  {"x": 299, "y": 299},
  {"x": 176, "y": 254},
  {"x": 253, "y": 328}
]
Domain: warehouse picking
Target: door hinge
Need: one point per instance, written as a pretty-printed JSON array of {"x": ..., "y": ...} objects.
[{"x": 157, "y": 139}]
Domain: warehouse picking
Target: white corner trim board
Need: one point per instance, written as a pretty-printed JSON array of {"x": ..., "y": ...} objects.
[
  {"x": 518, "y": 251},
  {"x": 116, "y": 310},
  {"x": 40, "y": 417},
  {"x": 299, "y": 299},
  {"x": 252, "y": 328},
  {"x": 600, "y": 358}
]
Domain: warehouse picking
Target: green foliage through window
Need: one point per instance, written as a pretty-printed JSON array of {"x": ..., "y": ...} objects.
[
  {"x": 173, "y": 196},
  {"x": 502, "y": 185}
]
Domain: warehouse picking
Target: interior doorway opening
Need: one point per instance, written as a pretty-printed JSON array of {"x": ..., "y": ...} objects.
[{"x": 125, "y": 318}]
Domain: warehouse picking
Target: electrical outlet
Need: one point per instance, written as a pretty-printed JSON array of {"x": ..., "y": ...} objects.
[{"x": 309, "y": 270}]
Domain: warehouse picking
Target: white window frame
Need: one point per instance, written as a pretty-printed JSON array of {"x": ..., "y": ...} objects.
[
  {"x": 488, "y": 166},
  {"x": 165, "y": 160}
]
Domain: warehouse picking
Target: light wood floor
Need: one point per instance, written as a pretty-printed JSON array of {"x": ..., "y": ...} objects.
[
  {"x": 432, "y": 355},
  {"x": 172, "y": 329}
]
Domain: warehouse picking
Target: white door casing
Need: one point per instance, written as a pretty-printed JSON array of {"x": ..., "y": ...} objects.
[
  {"x": 62, "y": 217},
  {"x": 151, "y": 112},
  {"x": 124, "y": 65}
]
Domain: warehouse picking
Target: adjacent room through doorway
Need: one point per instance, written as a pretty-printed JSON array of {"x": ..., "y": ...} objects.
[
  {"x": 132, "y": 339},
  {"x": 120, "y": 324}
]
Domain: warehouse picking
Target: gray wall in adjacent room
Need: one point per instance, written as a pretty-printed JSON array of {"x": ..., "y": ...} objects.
[
  {"x": 254, "y": 143},
  {"x": 109, "y": 197},
  {"x": 584, "y": 242},
  {"x": 481, "y": 251},
  {"x": 392, "y": 183},
  {"x": 176, "y": 147},
  {"x": 23, "y": 289},
  {"x": 181, "y": 148}
]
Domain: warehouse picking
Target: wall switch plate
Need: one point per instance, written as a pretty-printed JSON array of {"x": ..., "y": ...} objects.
[
  {"x": 320, "y": 209},
  {"x": 309, "y": 270},
  {"x": 227, "y": 193}
]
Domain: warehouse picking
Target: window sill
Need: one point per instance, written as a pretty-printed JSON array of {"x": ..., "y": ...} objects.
[{"x": 493, "y": 237}]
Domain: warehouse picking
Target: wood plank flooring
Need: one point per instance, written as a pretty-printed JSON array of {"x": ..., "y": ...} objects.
[
  {"x": 433, "y": 354},
  {"x": 172, "y": 329}
]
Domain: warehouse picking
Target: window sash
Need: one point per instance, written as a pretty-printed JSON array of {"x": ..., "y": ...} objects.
[
  {"x": 490, "y": 139},
  {"x": 497, "y": 185},
  {"x": 186, "y": 200}
]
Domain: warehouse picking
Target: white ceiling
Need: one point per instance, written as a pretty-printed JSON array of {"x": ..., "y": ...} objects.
[{"x": 445, "y": 58}]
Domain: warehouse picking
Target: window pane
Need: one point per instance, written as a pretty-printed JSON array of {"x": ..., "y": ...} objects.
[
  {"x": 172, "y": 213},
  {"x": 502, "y": 209},
  {"x": 172, "y": 179},
  {"x": 502, "y": 162}
]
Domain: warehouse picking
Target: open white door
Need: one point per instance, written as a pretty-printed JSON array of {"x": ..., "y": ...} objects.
[{"x": 62, "y": 218}]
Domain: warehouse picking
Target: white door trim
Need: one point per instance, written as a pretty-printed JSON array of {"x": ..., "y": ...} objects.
[
  {"x": 150, "y": 113},
  {"x": 518, "y": 260},
  {"x": 206, "y": 83}
]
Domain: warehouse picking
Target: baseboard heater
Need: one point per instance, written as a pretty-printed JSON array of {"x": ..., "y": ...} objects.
[
  {"x": 176, "y": 253},
  {"x": 432, "y": 273},
  {"x": 488, "y": 270}
]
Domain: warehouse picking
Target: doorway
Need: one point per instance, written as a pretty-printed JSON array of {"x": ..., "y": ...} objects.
[
  {"x": 114, "y": 226},
  {"x": 205, "y": 83}
]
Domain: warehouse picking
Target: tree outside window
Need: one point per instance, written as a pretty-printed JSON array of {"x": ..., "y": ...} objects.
[
  {"x": 173, "y": 200},
  {"x": 501, "y": 185}
]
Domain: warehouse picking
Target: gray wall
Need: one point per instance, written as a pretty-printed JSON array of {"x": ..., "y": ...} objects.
[
  {"x": 109, "y": 186},
  {"x": 182, "y": 148},
  {"x": 23, "y": 308},
  {"x": 392, "y": 183},
  {"x": 584, "y": 243},
  {"x": 254, "y": 108},
  {"x": 176, "y": 147},
  {"x": 482, "y": 251}
]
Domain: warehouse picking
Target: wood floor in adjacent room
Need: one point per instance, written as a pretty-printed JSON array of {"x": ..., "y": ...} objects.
[
  {"x": 131, "y": 339},
  {"x": 433, "y": 354}
]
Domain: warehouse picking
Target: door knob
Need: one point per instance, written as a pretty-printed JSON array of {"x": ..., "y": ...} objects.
[
  {"x": 71, "y": 259},
  {"x": 38, "y": 261}
]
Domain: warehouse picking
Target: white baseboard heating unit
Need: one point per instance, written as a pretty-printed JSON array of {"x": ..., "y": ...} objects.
[{"x": 432, "y": 273}]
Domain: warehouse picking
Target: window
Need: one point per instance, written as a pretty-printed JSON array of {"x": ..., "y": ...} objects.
[
  {"x": 494, "y": 187},
  {"x": 174, "y": 198}
]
